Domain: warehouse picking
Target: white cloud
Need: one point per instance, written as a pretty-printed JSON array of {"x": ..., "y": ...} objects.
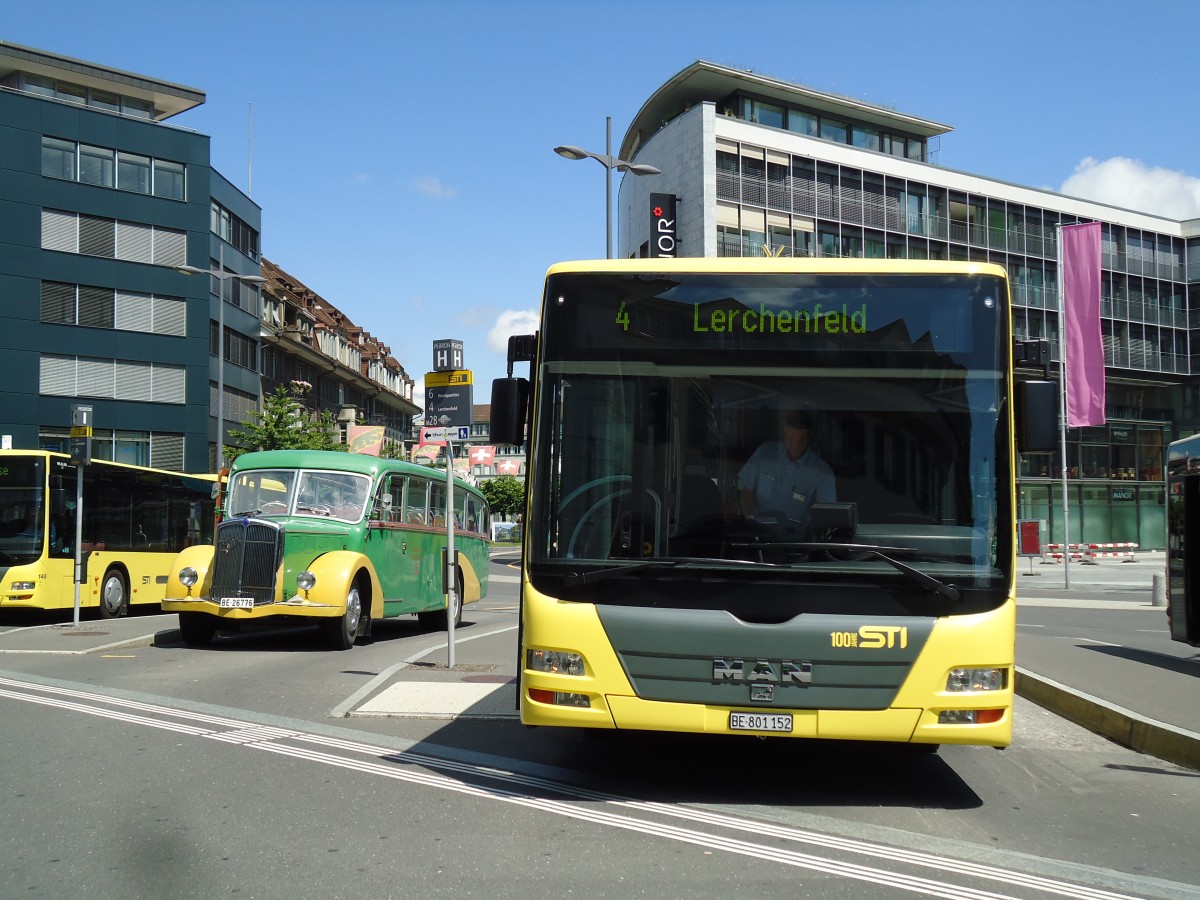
[
  {"x": 1131, "y": 184},
  {"x": 432, "y": 186},
  {"x": 509, "y": 322}
]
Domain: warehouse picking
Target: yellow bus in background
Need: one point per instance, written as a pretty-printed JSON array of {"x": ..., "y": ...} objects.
[
  {"x": 657, "y": 595},
  {"x": 135, "y": 520}
]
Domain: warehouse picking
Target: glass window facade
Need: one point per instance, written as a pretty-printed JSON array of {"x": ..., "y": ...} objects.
[{"x": 1115, "y": 473}]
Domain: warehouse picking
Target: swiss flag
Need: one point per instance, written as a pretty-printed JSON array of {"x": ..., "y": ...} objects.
[
  {"x": 509, "y": 467},
  {"x": 482, "y": 456}
]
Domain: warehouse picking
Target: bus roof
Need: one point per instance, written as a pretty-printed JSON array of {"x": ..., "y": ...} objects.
[
  {"x": 334, "y": 460},
  {"x": 45, "y": 454},
  {"x": 734, "y": 265}
]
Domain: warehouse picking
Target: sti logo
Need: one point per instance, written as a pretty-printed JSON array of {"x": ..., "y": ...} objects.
[{"x": 872, "y": 637}]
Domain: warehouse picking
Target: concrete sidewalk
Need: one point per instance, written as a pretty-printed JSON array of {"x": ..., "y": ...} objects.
[{"x": 1146, "y": 698}]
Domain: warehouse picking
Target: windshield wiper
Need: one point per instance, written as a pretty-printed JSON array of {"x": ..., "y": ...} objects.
[
  {"x": 248, "y": 512},
  {"x": 949, "y": 591},
  {"x": 603, "y": 574},
  {"x": 665, "y": 562}
]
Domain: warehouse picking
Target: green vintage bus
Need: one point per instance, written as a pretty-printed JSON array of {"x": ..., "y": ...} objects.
[{"x": 336, "y": 539}]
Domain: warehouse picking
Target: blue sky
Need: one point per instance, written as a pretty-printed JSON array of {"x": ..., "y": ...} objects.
[{"x": 402, "y": 152}]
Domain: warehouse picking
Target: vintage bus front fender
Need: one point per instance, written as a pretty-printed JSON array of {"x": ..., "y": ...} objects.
[
  {"x": 335, "y": 573},
  {"x": 198, "y": 557}
]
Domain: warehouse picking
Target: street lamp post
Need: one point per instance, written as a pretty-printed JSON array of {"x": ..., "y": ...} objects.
[
  {"x": 609, "y": 162},
  {"x": 222, "y": 276}
]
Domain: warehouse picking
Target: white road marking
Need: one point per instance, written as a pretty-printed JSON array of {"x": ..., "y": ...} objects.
[{"x": 515, "y": 789}]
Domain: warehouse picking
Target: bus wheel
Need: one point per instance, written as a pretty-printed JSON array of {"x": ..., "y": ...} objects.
[
  {"x": 342, "y": 631},
  {"x": 114, "y": 595},
  {"x": 197, "y": 629},
  {"x": 438, "y": 619}
]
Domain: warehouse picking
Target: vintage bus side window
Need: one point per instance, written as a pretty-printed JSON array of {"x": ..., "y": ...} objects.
[{"x": 415, "y": 508}]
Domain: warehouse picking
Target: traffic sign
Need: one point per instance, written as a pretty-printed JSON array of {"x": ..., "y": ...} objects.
[
  {"x": 450, "y": 433},
  {"x": 447, "y": 379}
]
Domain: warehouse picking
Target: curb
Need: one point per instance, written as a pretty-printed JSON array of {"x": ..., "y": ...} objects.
[{"x": 1116, "y": 723}]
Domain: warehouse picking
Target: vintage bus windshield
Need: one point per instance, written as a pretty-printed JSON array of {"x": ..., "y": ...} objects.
[
  {"x": 278, "y": 492},
  {"x": 656, "y": 392}
]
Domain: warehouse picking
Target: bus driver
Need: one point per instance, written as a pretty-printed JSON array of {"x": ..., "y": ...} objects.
[{"x": 783, "y": 479}]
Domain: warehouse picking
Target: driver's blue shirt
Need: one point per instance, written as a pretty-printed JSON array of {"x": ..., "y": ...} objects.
[{"x": 785, "y": 489}]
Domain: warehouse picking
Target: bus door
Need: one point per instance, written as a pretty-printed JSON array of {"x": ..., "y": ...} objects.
[
  {"x": 389, "y": 541},
  {"x": 1183, "y": 568}
]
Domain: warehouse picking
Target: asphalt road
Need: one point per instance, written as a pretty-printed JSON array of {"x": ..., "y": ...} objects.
[{"x": 255, "y": 768}]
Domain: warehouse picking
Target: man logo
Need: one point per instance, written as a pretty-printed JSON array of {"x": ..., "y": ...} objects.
[{"x": 784, "y": 671}]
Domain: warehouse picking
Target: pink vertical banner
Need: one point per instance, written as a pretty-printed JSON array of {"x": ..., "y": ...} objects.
[{"x": 1084, "y": 347}]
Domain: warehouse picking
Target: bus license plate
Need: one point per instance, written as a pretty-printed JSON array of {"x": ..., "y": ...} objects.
[
  {"x": 237, "y": 603},
  {"x": 742, "y": 721}
]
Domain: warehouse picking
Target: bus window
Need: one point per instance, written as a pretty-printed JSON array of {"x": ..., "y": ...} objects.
[
  {"x": 437, "y": 504},
  {"x": 392, "y": 487},
  {"x": 415, "y": 504}
]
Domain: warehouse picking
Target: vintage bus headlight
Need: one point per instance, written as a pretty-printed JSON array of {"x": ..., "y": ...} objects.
[
  {"x": 306, "y": 580},
  {"x": 188, "y": 576},
  {"x": 559, "y": 662},
  {"x": 961, "y": 681}
]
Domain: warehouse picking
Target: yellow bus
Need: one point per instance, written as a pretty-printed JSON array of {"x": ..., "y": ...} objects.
[
  {"x": 135, "y": 520},
  {"x": 772, "y": 497},
  {"x": 1183, "y": 534}
]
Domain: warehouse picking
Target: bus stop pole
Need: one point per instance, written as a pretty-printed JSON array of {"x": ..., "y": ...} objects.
[
  {"x": 451, "y": 574},
  {"x": 78, "y": 536}
]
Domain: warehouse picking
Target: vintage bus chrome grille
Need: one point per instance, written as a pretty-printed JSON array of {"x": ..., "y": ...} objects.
[{"x": 247, "y": 558}]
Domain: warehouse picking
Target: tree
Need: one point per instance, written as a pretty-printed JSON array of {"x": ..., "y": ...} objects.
[
  {"x": 286, "y": 424},
  {"x": 505, "y": 495}
]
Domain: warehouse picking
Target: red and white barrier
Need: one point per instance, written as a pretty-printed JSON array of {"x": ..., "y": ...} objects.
[
  {"x": 1090, "y": 552},
  {"x": 1109, "y": 551}
]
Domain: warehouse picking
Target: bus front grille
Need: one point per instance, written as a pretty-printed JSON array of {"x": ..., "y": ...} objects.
[{"x": 247, "y": 560}]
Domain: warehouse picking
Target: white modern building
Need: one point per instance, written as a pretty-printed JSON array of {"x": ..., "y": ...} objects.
[{"x": 753, "y": 165}]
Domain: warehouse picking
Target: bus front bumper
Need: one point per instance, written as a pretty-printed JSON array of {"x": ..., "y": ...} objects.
[{"x": 293, "y": 606}]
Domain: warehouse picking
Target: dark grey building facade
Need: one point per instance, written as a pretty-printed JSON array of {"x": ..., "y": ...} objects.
[{"x": 100, "y": 200}]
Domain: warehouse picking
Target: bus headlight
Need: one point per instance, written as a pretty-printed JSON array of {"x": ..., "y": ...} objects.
[
  {"x": 306, "y": 580},
  {"x": 961, "y": 681},
  {"x": 188, "y": 576},
  {"x": 23, "y": 585},
  {"x": 559, "y": 662}
]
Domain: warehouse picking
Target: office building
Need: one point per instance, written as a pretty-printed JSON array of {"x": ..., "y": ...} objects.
[
  {"x": 761, "y": 166},
  {"x": 101, "y": 198}
]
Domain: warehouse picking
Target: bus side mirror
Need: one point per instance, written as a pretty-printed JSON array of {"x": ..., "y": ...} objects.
[
  {"x": 1035, "y": 413},
  {"x": 510, "y": 406}
]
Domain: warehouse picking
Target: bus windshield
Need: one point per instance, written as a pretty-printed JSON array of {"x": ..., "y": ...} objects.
[
  {"x": 811, "y": 426},
  {"x": 22, "y": 509},
  {"x": 277, "y": 492}
]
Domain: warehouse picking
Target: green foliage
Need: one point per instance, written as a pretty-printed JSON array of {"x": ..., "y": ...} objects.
[
  {"x": 505, "y": 495},
  {"x": 286, "y": 424},
  {"x": 393, "y": 450}
]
